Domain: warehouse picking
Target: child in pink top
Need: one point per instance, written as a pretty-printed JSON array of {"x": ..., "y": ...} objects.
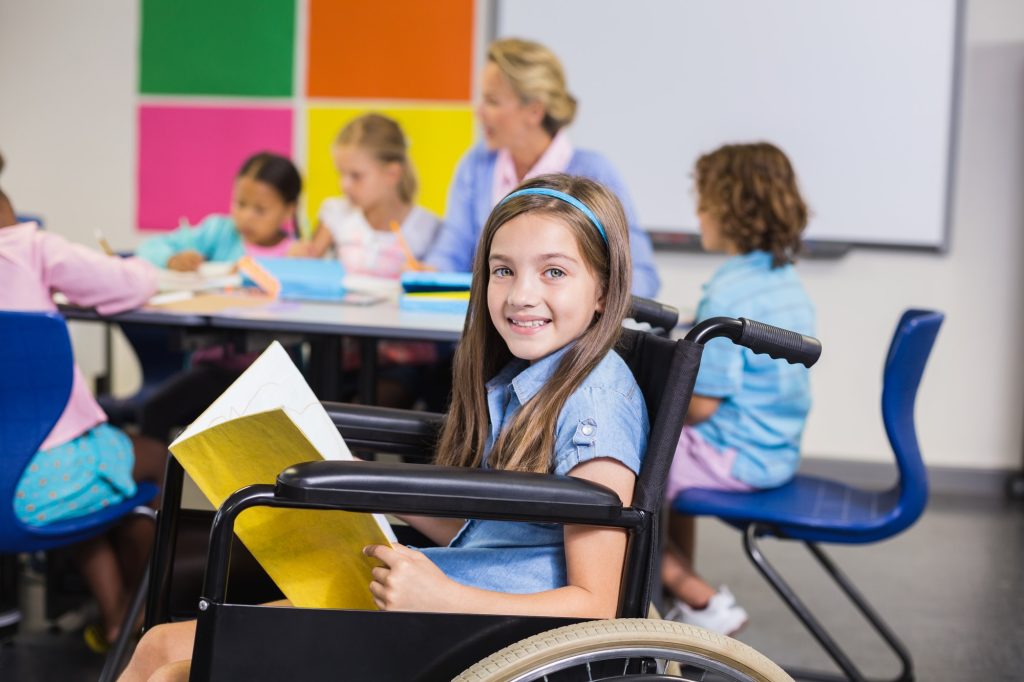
[{"x": 97, "y": 464}]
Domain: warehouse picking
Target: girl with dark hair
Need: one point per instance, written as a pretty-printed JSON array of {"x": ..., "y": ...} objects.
[
  {"x": 263, "y": 220},
  {"x": 262, "y": 223}
]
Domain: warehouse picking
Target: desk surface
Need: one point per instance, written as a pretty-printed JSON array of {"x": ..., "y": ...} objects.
[{"x": 381, "y": 320}]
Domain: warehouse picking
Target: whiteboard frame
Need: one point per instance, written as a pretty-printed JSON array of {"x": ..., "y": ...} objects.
[{"x": 689, "y": 239}]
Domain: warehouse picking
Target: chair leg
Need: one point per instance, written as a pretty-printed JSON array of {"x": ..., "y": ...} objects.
[
  {"x": 115, "y": 660},
  {"x": 814, "y": 626}
]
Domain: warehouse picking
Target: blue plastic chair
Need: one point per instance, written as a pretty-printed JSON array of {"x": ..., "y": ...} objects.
[
  {"x": 36, "y": 370},
  {"x": 814, "y": 510}
]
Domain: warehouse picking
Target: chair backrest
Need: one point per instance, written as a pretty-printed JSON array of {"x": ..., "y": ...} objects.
[
  {"x": 908, "y": 353},
  {"x": 36, "y": 371}
]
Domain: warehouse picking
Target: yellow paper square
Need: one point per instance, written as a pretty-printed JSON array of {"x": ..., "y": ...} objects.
[{"x": 438, "y": 137}]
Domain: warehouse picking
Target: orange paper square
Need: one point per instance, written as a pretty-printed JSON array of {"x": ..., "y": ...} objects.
[{"x": 399, "y": 49}]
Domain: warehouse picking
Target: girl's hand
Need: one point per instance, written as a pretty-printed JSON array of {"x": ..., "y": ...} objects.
[
  {"x": 409, "y": 581},
  {"x": 300, "y": 250},
  {"x": 186, "y": 261}
]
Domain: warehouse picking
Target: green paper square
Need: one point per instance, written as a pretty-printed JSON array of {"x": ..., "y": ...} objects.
[{"x": 217, "y": 47}]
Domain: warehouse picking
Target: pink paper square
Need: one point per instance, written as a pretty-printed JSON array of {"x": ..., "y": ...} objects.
[{"x": 189, "y": 156}]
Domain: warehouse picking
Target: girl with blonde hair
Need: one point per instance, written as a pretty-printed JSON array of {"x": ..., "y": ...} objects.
[{"x": 371, "y": 155}]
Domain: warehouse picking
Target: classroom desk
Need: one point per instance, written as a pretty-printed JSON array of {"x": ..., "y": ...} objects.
[
  {"x": 322, "y": 323},
  {"x": 326, "y": 323}
]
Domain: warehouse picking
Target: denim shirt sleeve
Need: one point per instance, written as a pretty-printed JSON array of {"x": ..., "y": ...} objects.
[{"x": 602, "y": 421}]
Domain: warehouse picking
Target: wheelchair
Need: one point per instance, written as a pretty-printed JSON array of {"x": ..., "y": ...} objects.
[{"x": 238, "y": 640}]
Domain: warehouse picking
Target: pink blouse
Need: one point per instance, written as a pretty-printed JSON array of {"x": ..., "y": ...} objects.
[
  {"x": 555, "y": 159},
  {"x": 34, "y": 264}
]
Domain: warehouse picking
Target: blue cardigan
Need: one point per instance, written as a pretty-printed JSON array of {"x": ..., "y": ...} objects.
[{"x": 469, "y": 204}]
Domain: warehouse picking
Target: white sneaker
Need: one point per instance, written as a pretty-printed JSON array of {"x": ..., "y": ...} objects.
[{"x": 721, "y": 615}]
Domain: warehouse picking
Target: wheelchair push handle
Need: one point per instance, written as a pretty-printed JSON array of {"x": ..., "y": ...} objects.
[
  {"x": 781, "y": 344},
  {"x": 658, "y": 315},
  {"x": 778, "y": 343}
]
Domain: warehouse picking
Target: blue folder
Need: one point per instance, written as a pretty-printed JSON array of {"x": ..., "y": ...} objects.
[
  {"x": 416, "y": 282},
  {"x": 311, "y": 279}
]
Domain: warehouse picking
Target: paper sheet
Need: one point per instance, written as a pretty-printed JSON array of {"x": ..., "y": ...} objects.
[{"x": 265, "y": 422}]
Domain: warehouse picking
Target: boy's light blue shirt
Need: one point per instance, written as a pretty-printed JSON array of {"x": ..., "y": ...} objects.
[
  {"x": 764, "y": 401},
  {"x": 605, "y": 417},
  {"x": 216, "y": 238},
  {"x": 470, "y": 202}
]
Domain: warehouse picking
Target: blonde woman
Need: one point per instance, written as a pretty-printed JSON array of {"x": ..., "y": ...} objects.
[{"x": 524, "y": 110}]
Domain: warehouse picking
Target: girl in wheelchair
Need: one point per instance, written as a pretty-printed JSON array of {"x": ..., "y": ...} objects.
[{"x": 536, "y": 387}]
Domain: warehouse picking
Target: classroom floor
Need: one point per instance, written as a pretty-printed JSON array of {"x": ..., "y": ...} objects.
[{"x": 952, "y": 587}]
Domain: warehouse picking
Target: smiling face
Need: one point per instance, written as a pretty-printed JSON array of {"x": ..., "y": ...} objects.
[
  {"x": 259, "y": 211},
  {"x": 541, "y": 294},
  {"x": 504, "y": 116}
]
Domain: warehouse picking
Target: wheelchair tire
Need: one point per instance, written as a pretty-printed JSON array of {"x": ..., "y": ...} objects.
[{"x": 674, "y": 646}]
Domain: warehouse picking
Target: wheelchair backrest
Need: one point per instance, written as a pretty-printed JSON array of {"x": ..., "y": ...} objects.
[{"x": 666, "y": 371}]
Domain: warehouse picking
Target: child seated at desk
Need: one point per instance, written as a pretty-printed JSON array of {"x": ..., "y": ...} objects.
[
  {"x": 84, "y": 464},
  {"x": 262, "y": 223},
  {"x": 537, "y": 387},
  {"x": 747, "y": 413},
  {"x": 377, "y": 230},
  {"x": 263, "y": 220}
]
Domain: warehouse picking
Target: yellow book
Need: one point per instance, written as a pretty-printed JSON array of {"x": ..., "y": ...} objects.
[{"x": 265, "y": 422}]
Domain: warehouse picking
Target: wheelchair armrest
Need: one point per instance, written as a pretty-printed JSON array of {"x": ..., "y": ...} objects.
[
  {"x": 385, "y": 429},
  {"x": 455, "y": 492}
]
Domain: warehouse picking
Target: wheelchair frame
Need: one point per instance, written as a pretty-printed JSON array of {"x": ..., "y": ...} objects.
[{"x": 283, "y": 641}]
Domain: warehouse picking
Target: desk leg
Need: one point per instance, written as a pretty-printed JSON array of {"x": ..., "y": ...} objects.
[
  {"x": 104, "y": 382},
  {"x": 325, "y": 366},
  {"x": 368, "y": 371}
]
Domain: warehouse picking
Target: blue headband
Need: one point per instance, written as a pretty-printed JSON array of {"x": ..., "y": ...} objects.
[{"x": 567, "y": 198}]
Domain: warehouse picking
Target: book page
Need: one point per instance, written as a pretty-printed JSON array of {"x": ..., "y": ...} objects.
[
  {"x": 274, "y": 382},
  {"x": 314, "y": 556}
]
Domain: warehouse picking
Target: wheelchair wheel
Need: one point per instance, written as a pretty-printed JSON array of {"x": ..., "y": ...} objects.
[{"x": 628, "y": 649}]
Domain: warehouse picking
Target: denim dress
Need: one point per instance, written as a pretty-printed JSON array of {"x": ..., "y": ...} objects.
[{"x": 604, "y": 417}]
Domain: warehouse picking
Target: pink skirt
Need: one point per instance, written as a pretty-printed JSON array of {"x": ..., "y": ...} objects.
[{"x": 699, "y": 464}]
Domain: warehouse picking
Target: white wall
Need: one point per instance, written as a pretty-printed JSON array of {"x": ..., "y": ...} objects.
[{"x": 67, "y": 129}]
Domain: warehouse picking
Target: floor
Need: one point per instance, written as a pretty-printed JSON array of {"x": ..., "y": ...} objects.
[{"x": 951, "y": 587}]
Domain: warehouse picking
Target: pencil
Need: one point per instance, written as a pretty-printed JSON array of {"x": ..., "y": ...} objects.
[
  {"x": 104, "y": 244},
  {"x": 411, "y": 262}
]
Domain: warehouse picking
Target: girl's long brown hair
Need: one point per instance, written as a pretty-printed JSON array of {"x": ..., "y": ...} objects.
[{"x": 527, "y": 443}]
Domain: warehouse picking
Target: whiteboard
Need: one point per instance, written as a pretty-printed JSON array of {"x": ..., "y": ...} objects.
[{"x": 859, "y": 93}]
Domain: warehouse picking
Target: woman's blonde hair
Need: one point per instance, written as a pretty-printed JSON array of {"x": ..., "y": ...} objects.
[
  {"x": 383, "y": 138},
  {"x": 527, "y": 443},
  {"x": 536, "y": 74}
]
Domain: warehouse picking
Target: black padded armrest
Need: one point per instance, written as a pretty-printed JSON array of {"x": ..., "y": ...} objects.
[
  {"x": 455, "y": 492},
  {"x": 385, "y": 429}
]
